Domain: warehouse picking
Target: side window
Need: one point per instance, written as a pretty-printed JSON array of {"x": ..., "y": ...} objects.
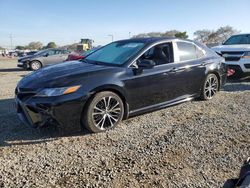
[
  {"x": 65, "y": 52},
  {"x": 58, "y": 52},
  {"x": 187, "y": 51},
  {"x": 199, "y": 53},
  {"x": 160, "y": 54},
  {"x": 51, "y": 52}
]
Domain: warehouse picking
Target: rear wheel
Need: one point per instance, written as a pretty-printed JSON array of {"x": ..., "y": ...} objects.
[
  {"x": 103, "y": 112},
  {"x": 210, "y": 87},
  {"x": 35, "y": 65}
]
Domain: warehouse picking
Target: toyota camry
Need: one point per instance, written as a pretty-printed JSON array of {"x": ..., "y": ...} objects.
[{"x": 120, "y": 80}]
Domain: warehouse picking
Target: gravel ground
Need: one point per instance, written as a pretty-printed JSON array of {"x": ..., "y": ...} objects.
[{"x": 195, "y": 144}]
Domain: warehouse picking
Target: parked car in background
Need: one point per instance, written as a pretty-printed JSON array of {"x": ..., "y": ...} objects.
[
  {"x": 23, "y": 54},
  {"x": 122, "y": 79},
  {"x": 13, "y": 54},
  {"x": 78, "y": 56},
  {"x": 236, "y": 51},
  {"x": 43, "y": 58}
]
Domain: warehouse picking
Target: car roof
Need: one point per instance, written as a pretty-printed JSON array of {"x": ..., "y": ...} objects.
[
  {"x": 241, "y": 34},
  {"x": 151, "y": 40}
]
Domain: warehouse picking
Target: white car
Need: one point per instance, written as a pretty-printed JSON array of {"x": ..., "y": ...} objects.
[{"x": 236, "y": 51}]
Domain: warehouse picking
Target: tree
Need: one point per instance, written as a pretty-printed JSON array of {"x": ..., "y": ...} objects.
[
  {"x": 182, "y": 35},
  {"x": 225, "y": 32},
  {"x": 210, "y": 36},
  {"x": 35, "y": 45},
  {"x": 21, "y": 47},
  {"x": 171, "y": 33},
  {"x": 51, "y": 45},
  {"x": 71, "y": 47}
]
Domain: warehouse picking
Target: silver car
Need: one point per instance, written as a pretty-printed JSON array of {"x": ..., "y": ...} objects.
[{"x": 43, "y": 58}]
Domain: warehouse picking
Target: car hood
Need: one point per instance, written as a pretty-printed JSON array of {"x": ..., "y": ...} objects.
[
  {"x": 60, "y": 75},
  {"x": 242, "y": 47},
  {"x": 26, "y": 57}
]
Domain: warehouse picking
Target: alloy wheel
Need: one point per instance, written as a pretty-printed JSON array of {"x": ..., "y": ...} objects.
[
  {"x": 211, "y": 86},
  {"x": 35, "y": 65},
  {"x": 106, "y": 112}
]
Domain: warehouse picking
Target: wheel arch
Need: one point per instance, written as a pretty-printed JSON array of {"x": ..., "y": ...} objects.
[
  {"x": 115, "y": 89},
  {"x": 35, "y": 60}
]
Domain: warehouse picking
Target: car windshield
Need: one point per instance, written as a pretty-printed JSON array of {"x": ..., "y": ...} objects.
[
  {"x": 238, "y": 39},
  {"x": 40, "y": 52},
  {"x": 116, "y": 53}
]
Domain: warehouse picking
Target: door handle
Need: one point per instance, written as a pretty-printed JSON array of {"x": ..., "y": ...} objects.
[{"x": 203, "y": 64}]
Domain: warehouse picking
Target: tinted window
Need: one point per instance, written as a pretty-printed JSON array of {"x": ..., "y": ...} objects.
[
  {"x": 50, "y": 52},
  {"x": 42, "y": 52},
  {"x": 187, "y": 51},
  {"x": 160, "y": 54},
  {"x": 65, "y": 52},
  {"x": 238, "y": 39},
  {"x": 58, "y": 52}
]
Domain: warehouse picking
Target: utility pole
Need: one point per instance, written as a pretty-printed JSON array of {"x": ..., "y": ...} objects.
[
  {"x": 11, "y": 41},
  {"x": 112, "y": 37}
]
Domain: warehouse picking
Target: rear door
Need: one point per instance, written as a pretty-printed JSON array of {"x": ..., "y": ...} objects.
[
  {"x": 190, "y": 68},
  {"x": 62, "y": 55}
]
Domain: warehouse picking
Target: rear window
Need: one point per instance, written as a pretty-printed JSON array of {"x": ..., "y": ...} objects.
[
  {"x": 187, "y": 51},
  {"x": 238, "y": 39}
]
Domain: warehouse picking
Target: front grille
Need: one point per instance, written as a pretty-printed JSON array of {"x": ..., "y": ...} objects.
[
  {"x": 247, "y": 66},
  {"x": 232, "y": 56},
  {"x": 24, "y": 93}
]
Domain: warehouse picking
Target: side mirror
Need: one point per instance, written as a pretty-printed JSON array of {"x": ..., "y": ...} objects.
[
  {"x": 46, "y": 55},
  {"x": 146, "y": 64}
]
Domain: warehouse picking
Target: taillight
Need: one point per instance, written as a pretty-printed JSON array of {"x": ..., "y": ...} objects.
[{"x": 230, "y": 72}]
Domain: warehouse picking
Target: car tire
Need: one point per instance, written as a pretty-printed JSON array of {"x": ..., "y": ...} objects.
[
  {"x": 35, "y": 65},
  {"x": 104, "y": 111},
  {"x": 210, "y": 87}
]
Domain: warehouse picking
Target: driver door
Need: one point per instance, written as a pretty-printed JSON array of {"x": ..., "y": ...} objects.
[
  {"x": 54, "y": 56},
  {"x": 152, "y": 86}
]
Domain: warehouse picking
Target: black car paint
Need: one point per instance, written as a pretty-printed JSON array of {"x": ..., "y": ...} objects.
[{"x": 141, "y": 91}]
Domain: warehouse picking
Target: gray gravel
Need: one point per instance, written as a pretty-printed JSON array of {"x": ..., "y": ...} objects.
[{"x": 195, "y": 144}]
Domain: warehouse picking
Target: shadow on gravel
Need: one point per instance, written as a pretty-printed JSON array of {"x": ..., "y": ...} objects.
[
  {"x": 12, "y": 70},
  {"x": 240, "y": 84},
  {"x": 14, "y": 132}
]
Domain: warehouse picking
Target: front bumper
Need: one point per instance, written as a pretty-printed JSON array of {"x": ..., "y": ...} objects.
[
  {"x": 20, "y": 64},
  {"x": 64, "y": 111},
  {"x": 243, "y": 65},
  {"x": 24, "y": 65}
]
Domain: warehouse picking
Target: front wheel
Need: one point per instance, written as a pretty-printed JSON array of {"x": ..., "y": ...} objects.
[
  {"x": 35, "y": 65},
  {"x": 210, "y": 87},
  {"x": 103, "y": 112}
]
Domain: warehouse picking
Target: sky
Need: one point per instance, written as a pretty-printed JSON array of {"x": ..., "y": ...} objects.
[{"x": 67, "y": 21}]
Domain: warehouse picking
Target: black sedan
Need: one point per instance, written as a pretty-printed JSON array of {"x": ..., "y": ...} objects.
[{"x": 120, "y": 80}]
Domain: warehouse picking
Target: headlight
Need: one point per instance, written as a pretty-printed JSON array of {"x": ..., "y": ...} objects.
[
  {"x": 51, "y": 92},
  {"x": 246, "y": 55}
]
